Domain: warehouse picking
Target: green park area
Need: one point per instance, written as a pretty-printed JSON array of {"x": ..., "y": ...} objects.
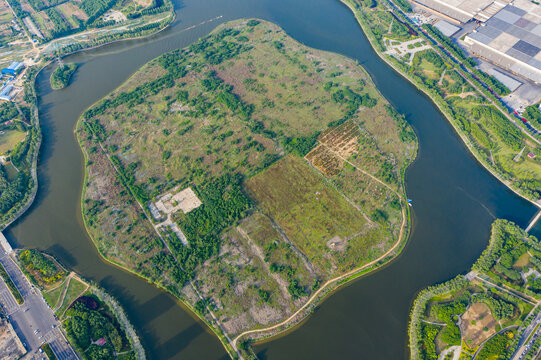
[
  {"x": 295, "y": 157},
  {"x": 487, "y": 130},
  {"x": 484, "y": 312},
  {"x": 94, "y": 322}
]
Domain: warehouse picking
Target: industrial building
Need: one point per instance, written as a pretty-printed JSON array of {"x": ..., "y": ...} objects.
[
  {"x": 511, "y": 39},
  {"x": 5, "y": 93},
  {"x": 12, "y": 69},
  {"x": 462, "y": 11}
]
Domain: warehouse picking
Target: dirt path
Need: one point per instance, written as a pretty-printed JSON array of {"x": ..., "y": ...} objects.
[
  {"x": 307, "y": 263},
  {"x": 71, "y": 276},
  {"x": 282, "y": 284},
  {"x": 343, "y": 276}
]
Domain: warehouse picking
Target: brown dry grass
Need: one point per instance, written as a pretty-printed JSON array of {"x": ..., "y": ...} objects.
[{"x": 475, "y": 332}]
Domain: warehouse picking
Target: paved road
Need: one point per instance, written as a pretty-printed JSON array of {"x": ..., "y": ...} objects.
[
  {"x": 33, "y": 321},
  {"x": 524, "y": 347}
]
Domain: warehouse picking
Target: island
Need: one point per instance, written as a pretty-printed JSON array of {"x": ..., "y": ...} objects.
[
  {"x": 490, "y": 313},
  {"x": 249, "y": 176},
  {"x": 61, "y": 76}
]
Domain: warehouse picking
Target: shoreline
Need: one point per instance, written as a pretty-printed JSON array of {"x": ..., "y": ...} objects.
[
  {"x": 444, "y": 113},
  {"x": 326, "y": 289},
  {"x": 35, "y": 116}
]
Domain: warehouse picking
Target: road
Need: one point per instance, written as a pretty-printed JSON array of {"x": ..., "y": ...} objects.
[
  {"x": 33, "y": 321},
  {"x": 524, "y": 345}
]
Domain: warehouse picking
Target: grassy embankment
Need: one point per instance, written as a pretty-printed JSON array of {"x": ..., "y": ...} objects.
[
  {"x": 488, "y": 134},
  {"x": 220, "y": 117},
  {"x": 498, "y": 296}
]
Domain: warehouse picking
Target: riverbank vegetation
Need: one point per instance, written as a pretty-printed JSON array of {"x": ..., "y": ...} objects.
[
  {"x": 61, "y": 76},
  {"x": 46, "y": 21},
  {"x": 42, "y": 269},
  {"x": 296, "y": 158},
  {"x": 490, "y": 135},
  {"x": 484, "y": 311}
]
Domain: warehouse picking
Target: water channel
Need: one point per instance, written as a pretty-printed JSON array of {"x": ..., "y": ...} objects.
[{"x": 454, "y": 198}]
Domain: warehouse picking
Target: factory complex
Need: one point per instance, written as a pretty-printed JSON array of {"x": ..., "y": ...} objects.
[{"x": 507, "y": 34}]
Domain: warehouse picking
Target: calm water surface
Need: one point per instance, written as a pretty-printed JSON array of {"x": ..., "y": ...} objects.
[{"x": 455, "y": 200}]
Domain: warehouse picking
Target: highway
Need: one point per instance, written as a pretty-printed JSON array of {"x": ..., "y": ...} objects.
[{"x": 34, "y": 320}]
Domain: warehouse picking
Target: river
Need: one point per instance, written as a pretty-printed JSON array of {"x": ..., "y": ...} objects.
[{"x": 454, "y": 198}]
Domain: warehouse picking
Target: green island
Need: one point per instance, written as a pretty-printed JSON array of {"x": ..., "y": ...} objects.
[
  {"x": 249, "y": 176},
  {"x": 490, "y": 313},
  {"x": 95, "y": 324},
  {"x": 487, "y": 129},
  {"x": 61, "y": 76}
]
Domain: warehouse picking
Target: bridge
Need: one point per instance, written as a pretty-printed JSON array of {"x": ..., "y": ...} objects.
[{"x": 533, "y": 221}]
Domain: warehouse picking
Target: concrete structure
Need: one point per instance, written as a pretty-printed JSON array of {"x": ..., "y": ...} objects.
[
  {"x": 6, "y": 247},
  {"x": 5, "y": 93},
  {"x": 508, "y": 81},
  {"x": 512, "y": 39},
  {"x": 463, "y": 11},
  {"x": 446, "y": 28},
  {"x": 184, "y": 200},
  {"x": 11, "y": 346}
]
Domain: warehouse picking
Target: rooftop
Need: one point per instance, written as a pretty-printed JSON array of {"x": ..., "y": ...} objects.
[
  {"x": 514, "y": 37},
  {"x": 465, "y": 10}
]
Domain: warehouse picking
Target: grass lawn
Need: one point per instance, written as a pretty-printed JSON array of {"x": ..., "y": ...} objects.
[
  {"x": 304, "y": 205},
  {"x": 9, "y": 139},
  {"x": 75, "y": 289},
  {"x": 52, "y": 297}
]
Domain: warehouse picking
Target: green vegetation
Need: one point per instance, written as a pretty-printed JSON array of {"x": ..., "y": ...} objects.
[
  {"x": 89, "y": 320},
  {"x": 56, "y": 19},
  {"x": 11, "y": 286},
  {"x": 476, "y": 114},
  {"x": 486, "y": 303},
  {"x": 496, "y": 347},
  {"x": 10, "y": 139},
  {"x": 533, "y": 115},
  {"x": 61, "y": 76},
  {"x": 296, "y": 158},
  {"x": 48, "y": 351},
  {"x": 42, "y": 269},
  {"x": 8, "y": 111},
  {"x": 75, "y": 288}
]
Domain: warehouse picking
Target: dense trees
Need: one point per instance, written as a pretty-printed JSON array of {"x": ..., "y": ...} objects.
[
  {"x": 533, "y": 115},
  {"x": 61, "y": 76},
  {"x": 85, "y": 325},
  {"x": 11, "y": 192},
  {"x": 224, "y": 203},
  {"x": 500, "y": 309},
  {"x": 300, "y": 145},
  {"x": 495, "y": 348},
  {"x": 41, "y": 266},
  {"x": 8, "y": 111}
]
